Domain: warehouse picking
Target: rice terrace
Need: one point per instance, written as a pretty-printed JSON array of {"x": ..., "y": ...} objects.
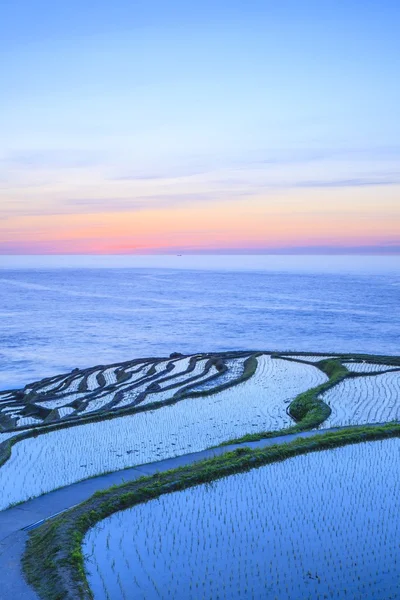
[{"x": 244, "y": 475}]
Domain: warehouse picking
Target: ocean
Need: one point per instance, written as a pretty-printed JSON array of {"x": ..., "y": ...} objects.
[{"x": 58, "y": 313}]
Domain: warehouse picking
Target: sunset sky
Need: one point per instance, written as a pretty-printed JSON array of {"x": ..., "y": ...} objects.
[{"x": 216, "y": 126}]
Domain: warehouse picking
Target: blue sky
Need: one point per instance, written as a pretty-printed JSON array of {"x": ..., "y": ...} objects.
[{"x": 153, "y": 105}]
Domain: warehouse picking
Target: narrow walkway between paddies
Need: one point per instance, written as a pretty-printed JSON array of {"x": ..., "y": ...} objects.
[{"x": 16, "y": 522}]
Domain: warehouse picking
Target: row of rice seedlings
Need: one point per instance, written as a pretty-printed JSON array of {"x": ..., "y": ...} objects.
[
  {"x": 65, "y": 411},
  {"x": 181, "y": 365},
  {"x": 70, "y": 384},
  {"x": 130, "y": 394},
  {"x": 97, "y": 403},
  {"x": 131, "y": 389},
  {"x": 167, "y": 394},
  {"x": 136, "y": 368},
  {"x": 67, "y": 390},
  {"x": 135, "y": 372},
  {"x": 235, "y": 369},
  {"x": 94, "y": 395},
  {"x": 129, "y": 398},
  {"x": 24, "y": 421},
  {"x": 142, "y": 375},
  {"x": 359, "y": 400},
  {"x": 59, "y": 402},
  {"x": 12, "y": 410},
  {"x": 365, "y": 367},
  {"x": 48, "y": 385},
  {"x": 110, "y": 375},
  {"x": 161, "y": 365},
  {"x": 309, "y": 358},
  {"x": 317, "y": 526},
  {"x": 6, "y": 397},
  {"x": 92, "y": 382},
  {"x": 46, "y": 462},
  {"x": 172, "y": 387},
  {"x": 198, "y": 370},
  {"x": 11, "y": 414}
]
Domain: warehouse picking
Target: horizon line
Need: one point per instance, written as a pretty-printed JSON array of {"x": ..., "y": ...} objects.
[{"x": 324, "y": 251}]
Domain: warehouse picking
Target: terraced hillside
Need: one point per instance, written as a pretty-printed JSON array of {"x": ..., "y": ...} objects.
[
  {"x": 103, "y": 389},
  {"x": 77, "y": 425}
]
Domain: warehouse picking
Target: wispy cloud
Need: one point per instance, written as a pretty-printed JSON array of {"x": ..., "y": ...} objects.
[
  {"x": 154, "y": 200},
  {"x": 91, "y": 205},
  {"x": 345, "y": 183},
  {"x": 52, "y": 159},
  {"x": 201, "y": 165},
  {"x": 173, "y": 173},
  {"x": 200, "y": 180}
]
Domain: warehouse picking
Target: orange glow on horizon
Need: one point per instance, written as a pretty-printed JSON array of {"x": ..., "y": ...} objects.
[{"x": 311, "y": 218}]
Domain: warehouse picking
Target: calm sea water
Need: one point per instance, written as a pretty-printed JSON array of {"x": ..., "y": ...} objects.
[{"x": 55, "y": 319}]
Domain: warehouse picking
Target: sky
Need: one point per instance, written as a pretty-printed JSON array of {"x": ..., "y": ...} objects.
[{"x": 153, "y": 127}]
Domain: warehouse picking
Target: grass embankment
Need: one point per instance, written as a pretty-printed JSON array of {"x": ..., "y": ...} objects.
[
  {"x": 307, "y": 409},
  {"x": 53, "y": 560}
]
